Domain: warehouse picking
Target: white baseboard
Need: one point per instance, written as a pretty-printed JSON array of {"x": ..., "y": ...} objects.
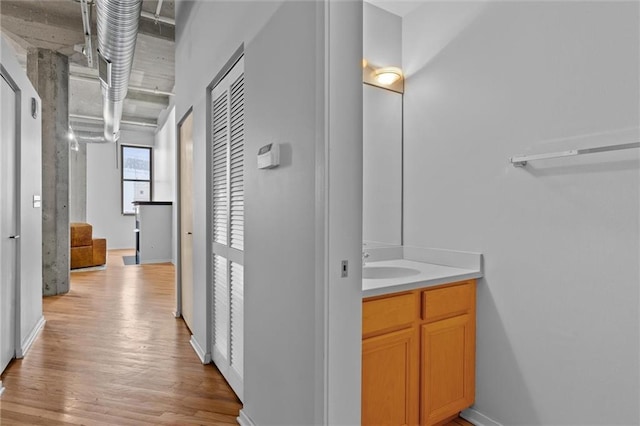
[
  {"x": 1, "y": 388},
  {"x": 26, "y": 344},
  {"x": 205, "y": 357},
  {"x": 244, "y": 420},
  {"x": 477, "y": 418}
]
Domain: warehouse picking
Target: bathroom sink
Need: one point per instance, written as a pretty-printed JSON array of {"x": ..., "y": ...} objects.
[{"x": 386, "y": 272}]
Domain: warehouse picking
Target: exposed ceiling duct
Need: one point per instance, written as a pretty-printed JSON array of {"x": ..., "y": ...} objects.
[
  {"x": 117, "y": 22},
  {"x": 89, "y": 137}
]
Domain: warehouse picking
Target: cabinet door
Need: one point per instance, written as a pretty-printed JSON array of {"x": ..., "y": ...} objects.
[
  {"x": 447, "y": 379},
  {"x": 390, "y": 379},
  {"x": 226, "y": 196}
]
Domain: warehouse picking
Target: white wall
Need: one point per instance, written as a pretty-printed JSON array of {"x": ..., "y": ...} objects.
[
  {"x": 382, "y": 131},
  {"x": 164, "y": 158},
  {"x": 558, "y": 325},
  {"x": 382, "y": 37},
  {"x": 280, "y": 219},
  {"x": 164, "y": 169},
  {"x": 212, "y": 27},
  {"x": 284, "y": 74},
  {"x": 104, "y": 205},
  {"x": 30, "y": 252},
  {"x": 78, "y": 184}
]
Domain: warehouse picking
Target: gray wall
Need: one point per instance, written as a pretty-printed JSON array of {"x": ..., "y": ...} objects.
[
  {"x": 30, "y": 148},
  {"x": 284, "y": 63},
  {"x": 557, "y": 337},
  {"x": 104, "y": 211}
]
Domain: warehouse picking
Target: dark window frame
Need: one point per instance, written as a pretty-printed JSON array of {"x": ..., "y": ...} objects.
[{"x": 123, "y": 180}]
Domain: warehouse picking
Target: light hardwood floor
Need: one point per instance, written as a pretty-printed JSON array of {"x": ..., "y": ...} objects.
[
  {"x": 459, "y": 422},
  {"x": 111, "y": 353}
]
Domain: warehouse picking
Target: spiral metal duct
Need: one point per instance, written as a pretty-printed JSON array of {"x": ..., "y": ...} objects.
[
  {"x": 117, "y": 30},
  {"x": 89, "y": 137}
]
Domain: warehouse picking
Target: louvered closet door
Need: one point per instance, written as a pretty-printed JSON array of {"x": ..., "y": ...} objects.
[{"x": 227, "y": 208}]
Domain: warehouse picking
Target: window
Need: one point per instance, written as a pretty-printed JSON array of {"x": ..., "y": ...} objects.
[{"x": 136, "y": 176}]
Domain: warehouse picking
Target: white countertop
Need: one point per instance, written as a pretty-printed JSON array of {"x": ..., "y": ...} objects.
[{"x": 428, "y": 274}]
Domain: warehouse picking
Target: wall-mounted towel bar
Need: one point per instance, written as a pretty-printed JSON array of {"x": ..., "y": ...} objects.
[{"x": 522, "y": 160}]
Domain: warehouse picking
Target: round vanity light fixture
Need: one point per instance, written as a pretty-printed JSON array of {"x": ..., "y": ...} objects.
[{"x": 388, "y": 75}]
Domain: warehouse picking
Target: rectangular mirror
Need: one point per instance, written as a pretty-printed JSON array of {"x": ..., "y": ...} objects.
[{"x": 382, "y": 166}]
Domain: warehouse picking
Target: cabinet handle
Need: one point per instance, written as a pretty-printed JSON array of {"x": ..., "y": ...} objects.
[
  {"x": 189, "y": 233},
  {"x": 14, "y": 237}
]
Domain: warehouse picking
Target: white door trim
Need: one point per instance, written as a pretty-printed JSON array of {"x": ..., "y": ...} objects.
[
  {"x": 18, "y": 353},
  {"x": 178, "y": 311},
  {"x": 339, "y": 212}
]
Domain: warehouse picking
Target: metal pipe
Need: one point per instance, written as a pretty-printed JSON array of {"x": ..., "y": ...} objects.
[
  {"x": 86, "y": 25},
  {"x": 117, "y": 32},
  {"x": 158, "y": 8},
  {"x": 96, "y": 118},
  {"x": 162, "y": 19},
  {"x": 93, "y": 79}
]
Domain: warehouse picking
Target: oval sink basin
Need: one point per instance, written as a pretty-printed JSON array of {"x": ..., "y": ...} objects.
[{"x": 382, "y": 272}]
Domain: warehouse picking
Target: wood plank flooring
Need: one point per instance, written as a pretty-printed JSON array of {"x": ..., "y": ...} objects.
[
  {"x": 111, "y": 353},
  {"x": 459, "y": 422}
]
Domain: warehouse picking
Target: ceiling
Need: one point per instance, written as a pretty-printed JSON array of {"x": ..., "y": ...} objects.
[{"x": 57, "y": 25}]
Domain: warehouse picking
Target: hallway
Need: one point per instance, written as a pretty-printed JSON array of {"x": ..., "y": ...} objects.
[{"x": 111, "y": 353}]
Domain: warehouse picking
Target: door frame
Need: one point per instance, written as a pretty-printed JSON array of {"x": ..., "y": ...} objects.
[
  {"x": 17, "y": 197},
  {"x": 339, "y": 212},
  {"x": 178, "y": 312}
]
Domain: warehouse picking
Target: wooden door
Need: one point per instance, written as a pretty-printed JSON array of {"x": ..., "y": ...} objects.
[
  {"x": 447, "y": 379},
  {"x": 8, "y": 226},
  {"x": 185, "y": 134},
  {"x": 390, "y": 379}
]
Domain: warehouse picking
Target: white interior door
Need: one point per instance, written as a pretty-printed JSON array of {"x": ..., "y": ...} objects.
[
  {"x": 227, "y": 212},
  {"x": 8, "y": 225},
  {"x": 186, "y": 219}
]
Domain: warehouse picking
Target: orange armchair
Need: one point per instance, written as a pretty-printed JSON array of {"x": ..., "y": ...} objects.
[{"x": 85, "y": 250}]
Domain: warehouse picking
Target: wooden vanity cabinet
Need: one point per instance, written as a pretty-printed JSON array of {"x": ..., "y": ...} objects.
[
  {"x": 418, "y": 355},
  {"x": 390, "y": 364},
  {"x": 447, "y": 351}
]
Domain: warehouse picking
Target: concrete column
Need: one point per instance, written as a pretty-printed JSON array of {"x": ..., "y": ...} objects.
[
  {"x": 49, "y": 74},
  {"x": 78, "y": 184}
]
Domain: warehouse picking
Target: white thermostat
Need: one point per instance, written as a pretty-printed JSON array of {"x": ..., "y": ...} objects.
[{"x": 269, "y": 156}]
